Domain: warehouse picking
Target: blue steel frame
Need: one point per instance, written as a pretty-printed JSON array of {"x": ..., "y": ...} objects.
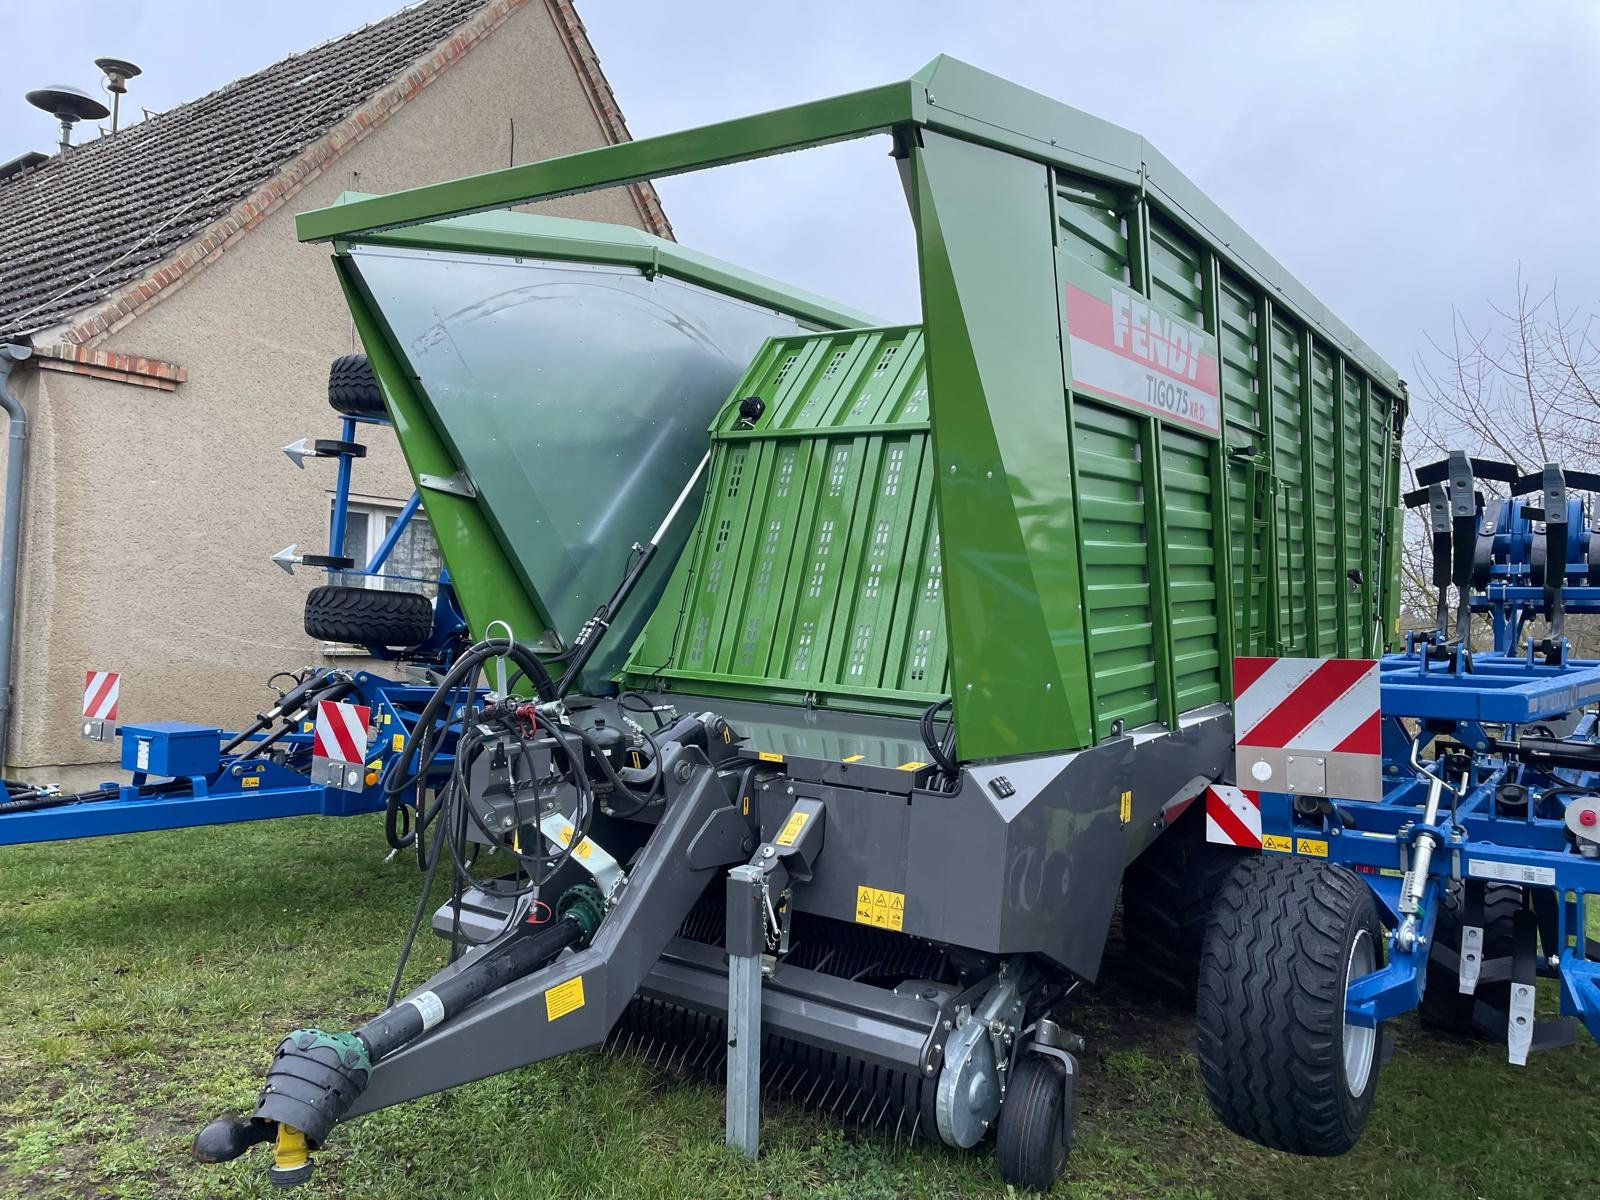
[
  {"x": 1377, "y": 839},
  {"x": 246, "y": 789}
]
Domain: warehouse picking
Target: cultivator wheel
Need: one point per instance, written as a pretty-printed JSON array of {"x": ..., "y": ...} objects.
[
  {"x": 1280, "y": 1064},
  {"x": 1486, "y": 1012},
  {"x": 353, "y": 389},
  {"x": 1166, "y": 905},
  {"x": 368, "y": 617}
]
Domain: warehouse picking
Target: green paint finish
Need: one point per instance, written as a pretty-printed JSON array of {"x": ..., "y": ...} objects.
[
  {"x": 814, "y": 567},
  {"x": 1053, "y": 561},
  {"x": 1004, "y": 494},
  {"x": 516, "y": 235}
]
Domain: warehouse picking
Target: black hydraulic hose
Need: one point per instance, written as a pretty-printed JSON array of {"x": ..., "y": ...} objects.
[
  {"x": 402, "y": 1023},
  {"x": 38, "y": 803},
  {"x": 329, "y": 691},
  {"x": 422, "y": 743},
  {"x": 940, "y": 750}
]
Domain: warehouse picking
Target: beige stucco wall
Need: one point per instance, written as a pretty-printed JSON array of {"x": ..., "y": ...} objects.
[{"x": 152, "y": 516}]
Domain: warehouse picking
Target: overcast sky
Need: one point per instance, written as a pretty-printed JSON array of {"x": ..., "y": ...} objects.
[{"x": 1399, "y": 158}]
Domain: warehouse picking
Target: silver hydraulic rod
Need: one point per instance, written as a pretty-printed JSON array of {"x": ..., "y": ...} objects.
[{"x": 1416, "y": 879}]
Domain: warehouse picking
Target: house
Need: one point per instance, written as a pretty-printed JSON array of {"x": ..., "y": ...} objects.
[{"x": 181, "y": 336}]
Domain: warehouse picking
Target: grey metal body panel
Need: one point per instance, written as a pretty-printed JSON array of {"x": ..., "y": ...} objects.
[
  {"x": 575, "y": 397},
  {"x": 1036, "y": 871}
]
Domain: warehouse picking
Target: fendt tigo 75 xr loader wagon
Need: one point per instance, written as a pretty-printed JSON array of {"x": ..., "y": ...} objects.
[{"x": 816, "y": 747}]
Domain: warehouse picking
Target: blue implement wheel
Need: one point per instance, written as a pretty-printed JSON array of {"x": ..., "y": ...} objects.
[{"x": 1280, "y": 1064}]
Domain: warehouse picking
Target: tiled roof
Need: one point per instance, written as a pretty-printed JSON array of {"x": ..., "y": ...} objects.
[{"x": 75, "y": 231}]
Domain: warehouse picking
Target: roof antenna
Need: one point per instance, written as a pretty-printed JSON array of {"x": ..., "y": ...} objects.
[
  {"x": 69, "y": 105},
  {"x": 117, "y": 71}
]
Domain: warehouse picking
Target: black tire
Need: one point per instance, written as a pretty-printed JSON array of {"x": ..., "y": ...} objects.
[
  {"x": 1166, "y": 905},
  {"x": 1270, "y": 1017},
  {"x": 364, "y": 617},
  {"x": 1444, "y": 1007},
  {"x": 1031, "y": 1139},
  {"x": 353, "y": 389}
]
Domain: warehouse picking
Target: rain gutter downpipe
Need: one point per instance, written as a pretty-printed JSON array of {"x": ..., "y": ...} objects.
[{"x": 11, "y": 530}]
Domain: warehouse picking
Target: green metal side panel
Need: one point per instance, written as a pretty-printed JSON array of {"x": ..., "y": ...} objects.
[
  {"x": 1004, "y": 495},
  {"x": 1189, "y": 494},
  {"x": 1116, "y": 564},
  {"x": 1293, "y": 566},
  {"x": 814, "y": 569},
  {"x": 1329, "y": 584}
]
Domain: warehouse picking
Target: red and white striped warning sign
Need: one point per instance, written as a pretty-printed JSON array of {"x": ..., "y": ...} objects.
[
  {"x": 1309, "y": 726},
  {"x": 1328, "y": 704},
  {"x": 341, "y": 731},
  {"x": 100, "y": 690},
  {"x": 1233, "y": 816}
]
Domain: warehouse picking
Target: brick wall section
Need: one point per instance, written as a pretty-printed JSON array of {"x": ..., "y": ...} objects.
[
  {"x": 121, "y": 307},
  {"x": 105, "y": 364}
]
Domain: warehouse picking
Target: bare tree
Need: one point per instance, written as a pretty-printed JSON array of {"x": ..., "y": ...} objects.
[{"x": 1523, "y": 387}]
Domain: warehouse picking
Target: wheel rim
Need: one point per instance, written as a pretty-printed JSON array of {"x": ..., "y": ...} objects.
[{"x": 1360, "y": 1042}]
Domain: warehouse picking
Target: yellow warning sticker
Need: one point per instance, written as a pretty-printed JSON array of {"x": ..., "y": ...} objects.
[
  {"x": 564, "y": 998},
  {"x": 584, "y": 849},
  {"x": 853, "y": 758},
  {"x": 386, "y": 718},
  {"x": 305, "y": 726},
  {"x": 792, "y": 828},
  {"x": 769, "y": 756},
  {"x": 913, "y": 765},
  {"x": 397, "y": 743},
  {"x": 1125, "y": 809},
  {"x": 1391, "y": 873},
  {"x": 1271, "y": 841},
  {"x": 250, "y": 781},
  {"x": 1315, "y": 847},
  {"x": 880, "y": 907}
]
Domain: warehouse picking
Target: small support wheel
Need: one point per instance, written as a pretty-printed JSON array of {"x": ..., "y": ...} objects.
[
  {"x": 1034, "y": 1133},
  {"x": 1280, "y": 1064}
]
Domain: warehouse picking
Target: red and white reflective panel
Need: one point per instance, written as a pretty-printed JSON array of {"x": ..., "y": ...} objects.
[
  {"x": 1316, "y": 705},
  {"x": 341, "y": 731},
  {"x": 1233, "y": 816},
  {"x": 100, "y": 689}
]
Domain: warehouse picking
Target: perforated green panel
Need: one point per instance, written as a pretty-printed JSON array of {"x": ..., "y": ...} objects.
[{"x": 814, "y": 568}]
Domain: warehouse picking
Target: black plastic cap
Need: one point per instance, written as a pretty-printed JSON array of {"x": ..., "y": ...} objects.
[{"x": 226, "y": 1138}]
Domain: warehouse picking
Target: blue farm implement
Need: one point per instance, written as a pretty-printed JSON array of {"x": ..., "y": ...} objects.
[
  {"x": 183, "y": 774},
  {"x": 1430, "y": 825}
]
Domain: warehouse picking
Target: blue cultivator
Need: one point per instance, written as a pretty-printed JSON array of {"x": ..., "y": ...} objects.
[
  {"x": 1430, "y": 826},
  {"x": 185, "y": 774}
]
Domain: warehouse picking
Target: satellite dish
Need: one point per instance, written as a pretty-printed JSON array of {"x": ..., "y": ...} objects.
[
  {"x": 68, "y": 105},
  {"x": 117, "y": 71}
]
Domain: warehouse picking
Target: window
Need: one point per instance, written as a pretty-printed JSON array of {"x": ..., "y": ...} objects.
[{"x": 412, "y": 566}]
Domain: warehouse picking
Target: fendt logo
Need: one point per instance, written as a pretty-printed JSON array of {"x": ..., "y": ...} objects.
[
  {"x": 1147, "y": 334},
  {"x": 1126, "y": 350}
]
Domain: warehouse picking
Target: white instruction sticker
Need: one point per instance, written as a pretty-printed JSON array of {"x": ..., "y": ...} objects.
[
  {"x": 430, "y": 1007},
  {"x": 1507, "y": 872}
]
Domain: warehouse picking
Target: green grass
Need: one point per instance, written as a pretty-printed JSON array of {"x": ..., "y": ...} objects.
[{"x": 146, "y": 979}]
